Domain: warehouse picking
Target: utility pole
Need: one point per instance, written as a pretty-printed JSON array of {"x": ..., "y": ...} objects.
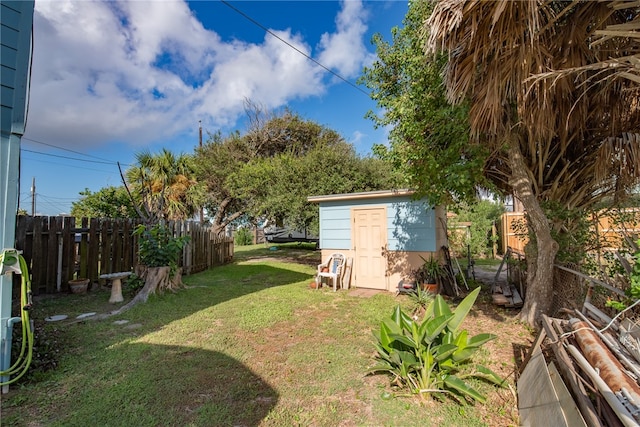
[
  {"x": 33, "y": 196},
  {"x": 200, "y": 145}
]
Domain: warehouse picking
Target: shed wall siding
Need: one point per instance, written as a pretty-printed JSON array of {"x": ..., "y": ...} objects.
[{"x": 411, "y": 225}]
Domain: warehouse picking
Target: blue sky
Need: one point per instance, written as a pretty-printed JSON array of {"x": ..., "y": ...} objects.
[{"x": 110, "y": 79}]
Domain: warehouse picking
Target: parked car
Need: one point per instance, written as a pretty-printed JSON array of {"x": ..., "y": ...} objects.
[{"x": 286, "y": 235}]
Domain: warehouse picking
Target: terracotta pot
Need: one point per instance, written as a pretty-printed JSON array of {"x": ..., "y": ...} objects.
[
  {"x": 430, "y": 287},
  {"x": 79, "y": 286}
]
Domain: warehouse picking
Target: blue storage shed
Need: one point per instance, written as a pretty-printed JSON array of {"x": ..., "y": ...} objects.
[{"x": 384, "y": 232}]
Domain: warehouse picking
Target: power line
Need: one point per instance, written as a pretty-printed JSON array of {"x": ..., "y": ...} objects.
[
  {"x": 292, "y": 46},
  {"x": 62, "y": 148},
  {"x": 53, "y": 203},
  {"x": 66, "y": 165},
  {"x": 70, "y": 158},
  {"x": 72, "y": 199}
]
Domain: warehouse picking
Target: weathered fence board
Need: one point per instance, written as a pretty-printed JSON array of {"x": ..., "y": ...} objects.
[
  {"x": 610, "y": 227},
  {"x": 57, "y": 251}
]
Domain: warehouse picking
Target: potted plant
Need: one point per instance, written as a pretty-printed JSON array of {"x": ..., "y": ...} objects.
[
  {"x": 429, "y": 274},
  {"x": 79, "y": 285}
]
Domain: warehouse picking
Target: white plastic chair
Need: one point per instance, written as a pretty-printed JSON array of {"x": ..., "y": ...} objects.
[{"x": 335, "y": 267}]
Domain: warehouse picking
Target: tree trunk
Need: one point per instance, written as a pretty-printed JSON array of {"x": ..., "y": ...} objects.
[
  {"x": 541, "y": 257},
  {"x": 156, "y": 279}
]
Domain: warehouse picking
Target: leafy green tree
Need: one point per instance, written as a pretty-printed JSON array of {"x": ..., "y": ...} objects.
[
  {"x": 567, "y": 137},
  {"x": 330, "y": 168},
  {"x": 165, "y": 186},
  {"x": 108, "y": 202},
  {"x": 271, "y": 170},
  {"x": 482, "y": 215},
  {"x": 215, "y": 162},
  {"x": 429, "y": 136}
]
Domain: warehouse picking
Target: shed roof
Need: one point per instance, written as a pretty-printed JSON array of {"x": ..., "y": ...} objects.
[{"x": 359, "y": 196}]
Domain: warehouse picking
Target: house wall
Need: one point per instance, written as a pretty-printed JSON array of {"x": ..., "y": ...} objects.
[
  {"x": 16, "y": 24},
  {"x": 414, "y": 229},
  {"x": 411, "y": 225}
]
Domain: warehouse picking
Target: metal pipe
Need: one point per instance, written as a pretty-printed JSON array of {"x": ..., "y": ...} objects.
[
  {"x": 623, "y": 359},
  {"x": 625, "y": 417},
  {"x": 602, "y": 360}
]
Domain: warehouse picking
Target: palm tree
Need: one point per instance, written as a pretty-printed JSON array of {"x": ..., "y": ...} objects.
[
  {"x": 561, "y": 121},
  {"x": 165, "y": 185}
]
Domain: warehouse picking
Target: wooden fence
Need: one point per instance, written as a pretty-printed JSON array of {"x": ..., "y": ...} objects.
[
  {"x": 510, "y": 236},
  {"x": 611, "y": 227},
  {"x": 57, "y": 250}
]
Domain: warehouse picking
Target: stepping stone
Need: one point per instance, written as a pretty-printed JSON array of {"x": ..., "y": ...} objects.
[
  {"x": 56, "y": 318},
  {"x": 83, "y": 315},
  {"x": 120, "y": 322}
]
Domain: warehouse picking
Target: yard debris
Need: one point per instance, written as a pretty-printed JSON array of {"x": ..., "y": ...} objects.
[{"x": 599, "y": 371}]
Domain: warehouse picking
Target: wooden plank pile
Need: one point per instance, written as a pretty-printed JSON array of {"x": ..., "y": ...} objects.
[
  {"x": 506, "y": 294},
  {"x": 596, "y": 380}
]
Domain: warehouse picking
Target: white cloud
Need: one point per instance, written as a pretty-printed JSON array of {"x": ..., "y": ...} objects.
[
  {"x": 344, "y": 50},
  {"x": 143, "y": 71}
]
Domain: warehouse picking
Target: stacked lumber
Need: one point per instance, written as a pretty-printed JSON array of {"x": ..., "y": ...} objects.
[{"x": 506, "y": 294}]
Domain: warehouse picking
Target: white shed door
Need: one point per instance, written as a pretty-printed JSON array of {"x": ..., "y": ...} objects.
[{"x": 370, "y": 237}]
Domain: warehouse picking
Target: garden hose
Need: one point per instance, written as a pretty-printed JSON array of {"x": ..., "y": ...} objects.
[{"x": 8, "y": 260}]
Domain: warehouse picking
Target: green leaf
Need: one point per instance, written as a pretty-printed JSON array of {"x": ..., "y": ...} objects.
[
  {"x": 383, "y": 335},
  {"x": 402, "y": 319},
  {"x": 488, "y": 374},
  {"x": 407, "y": 358},
  {"x": 462, "y": 310},
  {"x": 461, "y": 339},
  {"x": 390, "y": 327},
  {"x": 435, "y": 326},
  {"x": 480, "y": 339},
  {"x": 444, "y": 351},
  {"x": 446, "y": 338},
  {"x": 440, "y": 307},
  {"x": 463, "y": 354},
  {"x": 455, "y": 383},
  {"x": 404, "y": 340}
]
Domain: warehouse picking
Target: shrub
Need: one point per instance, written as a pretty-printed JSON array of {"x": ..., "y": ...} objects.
[
  {"x": 243, "y": 237},
  {"x": 433, "y": 357},
  {"x": 632, "y": 292},
  {"x": 158, "y": 247}
]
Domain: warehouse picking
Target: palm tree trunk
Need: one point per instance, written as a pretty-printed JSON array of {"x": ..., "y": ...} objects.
[{"x": 540, "y": 259}]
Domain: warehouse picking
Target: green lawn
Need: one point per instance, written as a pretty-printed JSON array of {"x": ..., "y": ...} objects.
[{"x": 245, "y": 344}]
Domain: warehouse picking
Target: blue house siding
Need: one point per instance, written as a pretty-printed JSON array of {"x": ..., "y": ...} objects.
[
  {"x": 16, "y": 20},
  {"x": 410, "y": 224},
  {"x": 335, "y": 226},
  {"x": 16, "y": 24}
]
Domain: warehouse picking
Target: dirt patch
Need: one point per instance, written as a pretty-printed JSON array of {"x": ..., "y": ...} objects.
[
  {"x": 503, "y": 355},
  {"x": 364, "y": 293}
]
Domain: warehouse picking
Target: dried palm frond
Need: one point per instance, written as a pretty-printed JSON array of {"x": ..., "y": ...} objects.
[{"x": 562, "y": 75}]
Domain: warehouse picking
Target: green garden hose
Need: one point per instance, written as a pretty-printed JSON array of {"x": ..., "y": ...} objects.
[{"x": 22, "y": 363}]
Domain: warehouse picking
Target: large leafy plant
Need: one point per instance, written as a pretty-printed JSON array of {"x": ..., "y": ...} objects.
[
  {"x": 432, "y": 357},
  {"x": 158, "y": 247}
]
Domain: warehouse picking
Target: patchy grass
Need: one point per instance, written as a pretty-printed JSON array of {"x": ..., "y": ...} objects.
[{"x": 245, "y": 344}]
